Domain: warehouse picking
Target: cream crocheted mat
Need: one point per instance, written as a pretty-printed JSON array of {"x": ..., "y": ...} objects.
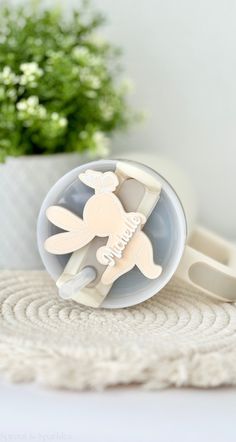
[{"x": 176, "y": 338}]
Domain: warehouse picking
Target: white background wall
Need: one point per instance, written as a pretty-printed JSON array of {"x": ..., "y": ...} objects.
[{"x": 182, "y": 57}]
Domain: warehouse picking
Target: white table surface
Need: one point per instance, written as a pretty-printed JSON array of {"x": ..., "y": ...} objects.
[{"x": 30, "y": 413}]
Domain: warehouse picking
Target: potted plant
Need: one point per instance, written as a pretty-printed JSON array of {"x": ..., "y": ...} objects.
[{"x": 59, "y": 100}]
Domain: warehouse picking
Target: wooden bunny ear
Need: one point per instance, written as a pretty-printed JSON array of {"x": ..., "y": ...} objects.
[
  {"x": 91, "y": 178},
  {"x": 68, "y": 242},
  {"x": 78, "y": 234},
  {"x": 110, "y": 181},
  {"x": 101, "y": 182},
  {"x": 64, "y": 218}
]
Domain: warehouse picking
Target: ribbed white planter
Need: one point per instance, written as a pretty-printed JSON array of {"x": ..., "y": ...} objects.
[{"x": 24, "y": 182}]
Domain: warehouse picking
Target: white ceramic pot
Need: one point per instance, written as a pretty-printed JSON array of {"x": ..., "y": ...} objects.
[{"x": 24, "y": 182}]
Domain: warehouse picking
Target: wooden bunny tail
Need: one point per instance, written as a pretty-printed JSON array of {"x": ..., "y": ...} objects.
[{"x": 144, "y": 257}]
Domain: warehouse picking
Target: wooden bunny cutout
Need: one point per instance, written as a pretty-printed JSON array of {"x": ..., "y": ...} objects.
[{"x": 104, "y": 216}]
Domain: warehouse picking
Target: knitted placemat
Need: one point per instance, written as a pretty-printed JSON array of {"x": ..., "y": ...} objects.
[{"x": 176, "y": 338}]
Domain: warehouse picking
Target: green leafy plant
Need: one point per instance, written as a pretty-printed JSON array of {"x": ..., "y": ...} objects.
[{"x": 58, "y": 86}]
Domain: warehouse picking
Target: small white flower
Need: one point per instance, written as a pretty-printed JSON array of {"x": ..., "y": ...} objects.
[
  {"x": 33, "y": 101},
  {"x": 42, "y": 111},
  {"x": 62, "y": 122},
  {"x": 23, "y": 80},
  {"x": 21, "y": 106},
  {"x": 95, "y": 61},
  {"x": 107, "y": 111},
  {"x": 94, "y": 82},
  {"x": 7, "y": 76},
  {"x": 90, "y": 80},
  {"x": 31, "y": 72},
  {"x": 80, "y": 53},
  {"x": 55, "y": 116},
  {"x": 31, "y": 108},
  {"x": 29, "y": 67},
  {"x": 6, "y": 70},
  {"x": 11, "y": 94}
]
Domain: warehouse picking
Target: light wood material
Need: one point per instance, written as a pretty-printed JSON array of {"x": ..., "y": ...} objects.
[{"x": 104, "y": 217}]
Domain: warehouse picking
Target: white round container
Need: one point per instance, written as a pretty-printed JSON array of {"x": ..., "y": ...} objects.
[{"x": 166, "y": 228}]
